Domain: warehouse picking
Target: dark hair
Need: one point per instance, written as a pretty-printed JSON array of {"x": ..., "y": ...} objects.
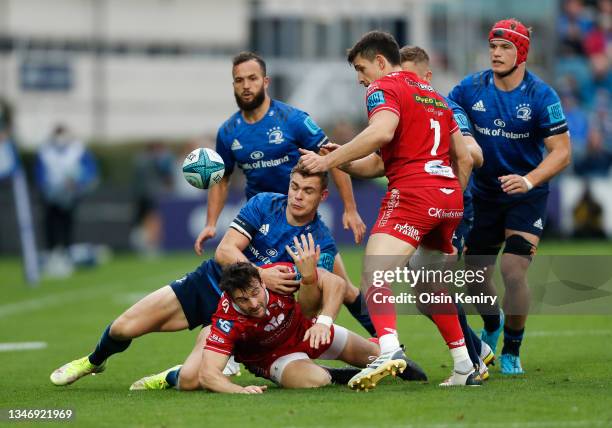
[
  {"x": 238, "y": 276},
  {"x": 249, "y": 56},
  {"x": 375, "y": 43},
  {"x": 414, "y": 54},
  {"x": 323, "y": 176}
]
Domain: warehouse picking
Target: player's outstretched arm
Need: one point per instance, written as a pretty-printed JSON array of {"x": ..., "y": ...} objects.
[
  {"x": 371, "y": 166},
  {"x": 460, "y": 159},
  {"x": 217, "y": 195},
  {"x": 212, "y": 377},
  {"x": 558, "y": 158},
  {"x": 379, "y": 132}
]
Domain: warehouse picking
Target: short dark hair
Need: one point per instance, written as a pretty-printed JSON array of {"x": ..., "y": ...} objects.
[
  {"x": 375, "y": 43},
  {"x": 238, "y": 276},
  {"x": 323, "y": 176},
  {"x": 249, "y": 56},
  {"x": 414, "y": 54}
]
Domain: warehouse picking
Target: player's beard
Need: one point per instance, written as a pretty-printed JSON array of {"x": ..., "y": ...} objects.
[{"x": 257, "y": 100}]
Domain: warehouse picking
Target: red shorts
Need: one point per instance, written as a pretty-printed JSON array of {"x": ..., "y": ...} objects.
[
  {"x": 425, "y": 216},
  {"x": 262, "y": 364}
]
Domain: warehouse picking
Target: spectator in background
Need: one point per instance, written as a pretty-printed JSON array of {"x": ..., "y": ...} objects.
[
  {"x": 64, "y": 172},
  {"x": 153, "y": 177}
]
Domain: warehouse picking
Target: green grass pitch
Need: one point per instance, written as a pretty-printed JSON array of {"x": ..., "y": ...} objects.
[{"x": 567, "y": 359}]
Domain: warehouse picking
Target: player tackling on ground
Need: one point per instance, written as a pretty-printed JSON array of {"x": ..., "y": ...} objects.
[
  {"x": 515, "y": 116},
  {"x": 262, "y": 139},
  {"x": 189, "y": 302},
  {"x": 415, "y": 131}
]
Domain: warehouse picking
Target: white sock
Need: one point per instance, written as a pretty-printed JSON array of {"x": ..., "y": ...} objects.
[
  {"x": 461, "y": 358},
  {"x": 388, "y": 343}
]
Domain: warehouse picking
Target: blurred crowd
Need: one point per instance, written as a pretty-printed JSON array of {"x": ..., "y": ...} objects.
[{"x": 584, "y": 79}]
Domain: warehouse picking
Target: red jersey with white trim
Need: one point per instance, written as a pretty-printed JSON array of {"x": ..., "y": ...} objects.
[
  {"x": 252, "y": 339},
  {"x": 418, "y": 154}
]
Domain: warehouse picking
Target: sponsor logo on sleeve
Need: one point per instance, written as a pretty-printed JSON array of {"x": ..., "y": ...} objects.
[
  {"x": 313, "y": 128},
  {"x": 555, "y": 113},
  {"x": 375, "y": 99},
  {"x": 461, "y": 120},
  {"x": 225, "y": 325}
]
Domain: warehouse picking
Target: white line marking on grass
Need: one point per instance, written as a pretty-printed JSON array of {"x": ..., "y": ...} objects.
[
  {"x": 59, "y": 299},
  {"x": 22, "y": 346}
]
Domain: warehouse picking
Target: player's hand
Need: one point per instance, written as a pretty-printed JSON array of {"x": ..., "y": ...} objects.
[
  {"x": 280, "y": 279},
  {"x": 318, "y": 334},
  {"x": 513, "y": 184},
  {"x": 313, "y": 162},
  {"x": 207, "y": 233},
  {"x": 253, "y": 389},
  {"x": 329, "y": 147},
  {"x": 352, "y": 219},
  {"x": 306, "y": 257}
]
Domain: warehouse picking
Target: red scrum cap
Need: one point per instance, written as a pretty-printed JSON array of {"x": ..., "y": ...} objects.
[{"x": 512, "y": 31}]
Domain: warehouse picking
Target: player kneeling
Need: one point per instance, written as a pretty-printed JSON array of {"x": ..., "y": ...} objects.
[{"x": 268, "y": 333}]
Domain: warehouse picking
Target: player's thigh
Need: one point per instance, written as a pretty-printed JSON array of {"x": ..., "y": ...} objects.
[
  {"x": 527, "y": 218},
  {"x": 358, "y": 351},
  {"x": 158, "y": 311},
  {"x": 188, "y": 376},
  {"x": 304, "y": 373}
]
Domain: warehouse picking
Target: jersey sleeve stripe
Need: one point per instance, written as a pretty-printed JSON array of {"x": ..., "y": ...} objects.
[
  {"x": 323, "y": 141},
  {"x": 217, "y": 350},
  {"x": 455, "y": 128},
  {"x": 243, "y": 227},
  {"x": 377, "y": 109}
]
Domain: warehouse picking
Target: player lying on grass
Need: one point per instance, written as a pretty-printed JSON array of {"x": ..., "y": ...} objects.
[
  {"x": 273, "y": 338},
  {"x": 190, "y": 301}
]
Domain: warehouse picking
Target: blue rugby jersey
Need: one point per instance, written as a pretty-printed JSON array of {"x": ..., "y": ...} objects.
[
  {"x": 510, "y": 127},
  {"x": 264, "y": 221},
  {"x": 267, "y": 150}
]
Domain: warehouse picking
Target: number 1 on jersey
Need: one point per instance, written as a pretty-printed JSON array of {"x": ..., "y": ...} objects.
[{"x": 435, "y": 125}]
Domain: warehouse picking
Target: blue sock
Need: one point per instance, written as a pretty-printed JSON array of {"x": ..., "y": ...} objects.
[
  {"x": 106, "y": 347},
  {"x": 359, "y": 311},
  {"x": 172, "y": 377},
  {"x": 512, "y": 341}
]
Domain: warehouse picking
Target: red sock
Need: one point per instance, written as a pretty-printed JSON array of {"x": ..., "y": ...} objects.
[
  {"x": 447, "y": 321},
  {"x": 382, "y": 314}
]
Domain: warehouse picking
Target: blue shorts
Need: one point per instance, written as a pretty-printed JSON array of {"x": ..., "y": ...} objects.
[
  {"x": 492, "y": 218},
  {"x": 198, "y": 295}
]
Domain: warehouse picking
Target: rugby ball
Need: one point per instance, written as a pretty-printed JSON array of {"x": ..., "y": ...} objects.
[{"x": 203, "y": 168}]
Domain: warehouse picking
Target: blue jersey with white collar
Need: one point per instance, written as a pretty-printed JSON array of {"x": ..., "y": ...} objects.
[
  {"x": 510, "y": 127},
  {"x": 267, "y": 150},
  {"x": 263, "y": 220}
]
